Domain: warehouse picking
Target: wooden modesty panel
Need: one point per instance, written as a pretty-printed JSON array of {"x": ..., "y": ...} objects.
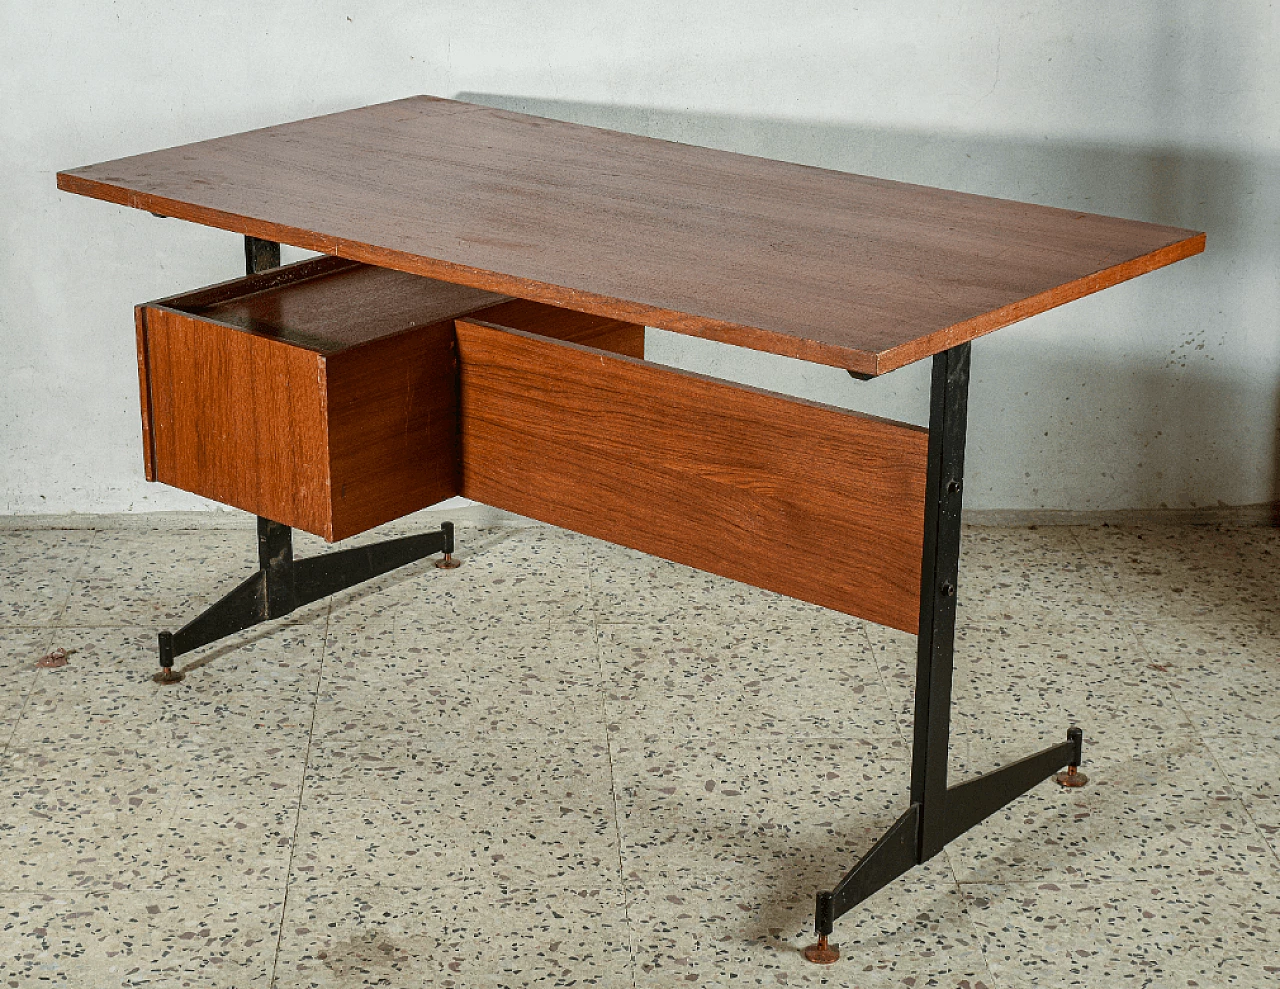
[
  {"x": 840, "y": 269},
  {"x": 806, "y": 500}
]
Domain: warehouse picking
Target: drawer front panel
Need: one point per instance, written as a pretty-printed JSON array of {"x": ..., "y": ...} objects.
[
  {"x": 236, "y": 418},
  {"x": 809, "y": 501}
]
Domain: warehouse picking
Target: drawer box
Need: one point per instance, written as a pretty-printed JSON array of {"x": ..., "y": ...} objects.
[{"x": 321, "y": 395}]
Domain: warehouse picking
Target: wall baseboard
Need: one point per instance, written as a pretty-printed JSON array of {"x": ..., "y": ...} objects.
[{"x": 1265, "y": 513}]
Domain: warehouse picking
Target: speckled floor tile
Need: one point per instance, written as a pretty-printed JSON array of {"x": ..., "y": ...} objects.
[
  {"x": 20, "y": 650},
  {"x": 411, "y": 810},
  {"x": 748, "y": 679},
  {"x": 530, "y": 572},
  {"x": 179, "y": 813},
  {"x": 122, "y": 938},
  {"x": 1252, "y": 765},
  {"x": 505, "y": 677},
  {"x": 476, "y": 775},
  {"x": 773, "y": 807},
  {"x": 249, "y": 685},
  {"x": 37, "y": 569},
  {"x": 1225, "y": 675},
  {"x": 1007, "y": 574},
  {"x": 1188, "y": 571},
  {"x": 736, "y": 929},
  {"x": 1161, "y": 809},
  {"x": 1206, "y": 932},
  {"x": 458, "y": 934}
]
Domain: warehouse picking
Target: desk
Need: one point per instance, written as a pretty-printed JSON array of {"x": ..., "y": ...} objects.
[{"x": 572, "y": 239}]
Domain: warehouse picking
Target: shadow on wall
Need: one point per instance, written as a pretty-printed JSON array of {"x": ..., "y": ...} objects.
[{"x": 1175, "y": 388}]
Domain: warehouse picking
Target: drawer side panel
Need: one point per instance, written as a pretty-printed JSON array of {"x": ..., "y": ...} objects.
[
  {"x": 144, "y": 392},
  {"x": 393, "y": 427}
]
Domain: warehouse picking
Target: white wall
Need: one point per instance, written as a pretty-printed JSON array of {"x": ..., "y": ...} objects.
[{"x": 1159, "y": 392}]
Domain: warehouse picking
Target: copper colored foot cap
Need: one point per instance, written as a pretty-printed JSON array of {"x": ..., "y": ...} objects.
[
  {"x": 1071, "y": 777},
  {"x": 822, "y": 953},
  {"x": 168, "y": 674},
  {"x": 448, "y": 563}
]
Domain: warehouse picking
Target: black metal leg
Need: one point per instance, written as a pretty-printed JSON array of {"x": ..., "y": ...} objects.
[
  {"x": 1072, "y": 776},
  {"x": 283, "y": 584},
  {"x": 936, "y": 813},
  {"x": 260, "y": 255}
]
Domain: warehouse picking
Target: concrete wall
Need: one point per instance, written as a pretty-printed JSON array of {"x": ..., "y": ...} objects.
[{"x": 1162, "y": 392}]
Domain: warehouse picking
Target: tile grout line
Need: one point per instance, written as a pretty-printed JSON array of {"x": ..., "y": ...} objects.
[
  {"x": 71, "y": 586},
  {"x": 1163, "y": 677},
  {"x": 302, "y": 789},
  {"x": 1153, "y": 663},
  {"x": 613, "y": 782},
  {"x": 49, "y": 634},
  {"x": 1210, "y": 751}
]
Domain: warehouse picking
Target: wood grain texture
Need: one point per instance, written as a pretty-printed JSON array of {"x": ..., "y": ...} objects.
[
  {"x": 144, "y": 393},
  {"x": 328, "y": 305},
  {"x": 393, "y": 427},
  {"x": 840, "y": 269},
  {"x": 239, "y": 418},
  {"x": 810, "y": 501}
]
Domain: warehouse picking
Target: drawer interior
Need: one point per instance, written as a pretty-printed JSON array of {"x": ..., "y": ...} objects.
[{"x": 328, "y": 305}]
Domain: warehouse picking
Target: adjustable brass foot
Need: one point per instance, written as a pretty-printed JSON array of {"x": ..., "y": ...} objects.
[
  {"x": 1071, "y": 776},
  {"x": 448, "y": 563},
  {"x": 822, "y": 953},
  {"x": 168, "y": 675}
]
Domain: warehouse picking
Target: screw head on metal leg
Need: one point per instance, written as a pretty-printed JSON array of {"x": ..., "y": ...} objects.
[
  {"x": 1071, "y": 777},
  {"x": 448, "y": 563},
  {"x": 822, "y": 953}
]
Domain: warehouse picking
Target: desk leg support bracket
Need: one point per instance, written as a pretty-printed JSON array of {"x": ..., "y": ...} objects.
[
  {"x": 283, "y": 584},
  {"x": 937, "y": 814},
  {"x": 916, "y": 836}
]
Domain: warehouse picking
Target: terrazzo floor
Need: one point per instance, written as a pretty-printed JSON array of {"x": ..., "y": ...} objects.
[{"x": 568, "y": 764}]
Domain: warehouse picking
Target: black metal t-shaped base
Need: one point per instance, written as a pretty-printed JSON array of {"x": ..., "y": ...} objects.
[
  {"x": 937, "y": 813},
  {"x": 283, "y": 584}
]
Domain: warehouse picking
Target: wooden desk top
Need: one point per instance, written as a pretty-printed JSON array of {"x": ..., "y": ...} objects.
[{"x": 839, "y": 269}]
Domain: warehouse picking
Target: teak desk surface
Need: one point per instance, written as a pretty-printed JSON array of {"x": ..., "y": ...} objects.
[{"x": 856, "y": 272}]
